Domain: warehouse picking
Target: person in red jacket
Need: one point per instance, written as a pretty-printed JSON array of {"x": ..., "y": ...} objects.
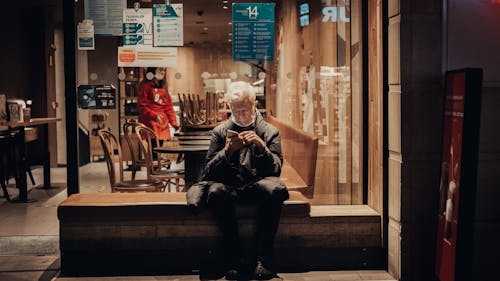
[{"x": 155, "y": 105}]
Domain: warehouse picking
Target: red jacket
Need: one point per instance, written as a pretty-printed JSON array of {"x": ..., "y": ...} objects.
[{"x": 154, "y": 101}]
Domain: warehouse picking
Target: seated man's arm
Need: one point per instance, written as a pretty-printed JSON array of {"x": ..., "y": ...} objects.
[
  {"x": 218, "y": 165},
  {"x": 266, "y": 150},
  {"x": 270, "y": 159}
]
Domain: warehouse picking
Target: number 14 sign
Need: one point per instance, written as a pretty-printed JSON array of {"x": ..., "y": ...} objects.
[{"x": 253, "y": 31}]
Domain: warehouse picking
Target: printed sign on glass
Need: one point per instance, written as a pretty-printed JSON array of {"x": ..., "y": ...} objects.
[
  {"x": 137, "y": 27},
  {"x": 253, "y": 32},
  {"x": 86, "y": 35},
  {"x": 168, "y": 27},
  {"x": 107, "y": 16}
]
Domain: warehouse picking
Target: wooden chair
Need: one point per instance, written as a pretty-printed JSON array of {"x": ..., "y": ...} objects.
[
  {"x": 137, "y": 158},
  {"x": 154, "y": 170},
  {"x": 109, "y": 145}
]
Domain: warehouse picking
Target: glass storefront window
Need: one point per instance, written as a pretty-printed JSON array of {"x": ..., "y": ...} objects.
[{"x": 315, "y": 81}]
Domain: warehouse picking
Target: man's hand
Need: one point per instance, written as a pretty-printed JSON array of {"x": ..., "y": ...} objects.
[
  {"x": 250, "y": 137},
  {"x": 233, "y": 143}
]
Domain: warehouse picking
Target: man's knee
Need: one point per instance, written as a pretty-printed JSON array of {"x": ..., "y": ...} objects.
[
  {"x": 217, "y": 193},
  {"x": 274, "y": 188}
]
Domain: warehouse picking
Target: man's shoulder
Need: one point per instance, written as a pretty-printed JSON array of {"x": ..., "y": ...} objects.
[
  {"x": 221, "y": 128},
  {"x": 267, "y": 128}
]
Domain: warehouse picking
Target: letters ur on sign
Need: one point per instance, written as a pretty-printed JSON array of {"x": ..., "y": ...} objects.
[{"x": 331, "y": 13}]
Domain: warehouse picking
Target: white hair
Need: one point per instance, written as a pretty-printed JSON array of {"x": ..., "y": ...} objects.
[{"x": 240, "y": 89}]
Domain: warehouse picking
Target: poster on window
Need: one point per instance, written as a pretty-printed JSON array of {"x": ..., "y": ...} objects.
[
  {"x": 137, "y": 27},
  {"x": 96, "y": 97},
  {"x": 458, "y": 170},
  {"x": 168, "y": 29},
  {"x": 107, "y": 16},
  {"x": 253, "y": 31},
  {"x": 86, "y": 35}
]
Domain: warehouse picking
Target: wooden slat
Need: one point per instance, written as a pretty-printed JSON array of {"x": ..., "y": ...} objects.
[
  {"x": 357, "y": 103},
  {"x": 375, "y": 107}
]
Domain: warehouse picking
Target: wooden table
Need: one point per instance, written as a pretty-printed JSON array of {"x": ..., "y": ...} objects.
[
  {"x": 23, "y": 185},
  {"x": 200, "y": 137},
  {"x": 195, "y": 142},
  {"x": 194, "y": 133},
  {"x": 194, "y": 160}
]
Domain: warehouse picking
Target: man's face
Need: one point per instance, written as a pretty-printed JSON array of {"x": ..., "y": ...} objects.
[{"x": 243, "y": 111}]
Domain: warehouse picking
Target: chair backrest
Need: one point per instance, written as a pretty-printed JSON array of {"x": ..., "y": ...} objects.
[
  {"x": 299, "y": 149},
  {"x": 130, "y": 139},
  {"x": 147, "y": 137},
  {"x": 109, "y": 145}
]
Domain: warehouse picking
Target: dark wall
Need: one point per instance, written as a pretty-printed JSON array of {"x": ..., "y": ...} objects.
[
  {"x": 469, "y": 40},
  {"x": 421, "y": 118},
  {"x": 476, "y": 43},
  {"x": 22, "y": 59}
]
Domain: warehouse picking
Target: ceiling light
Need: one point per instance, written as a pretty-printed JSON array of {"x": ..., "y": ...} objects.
[
  {"x": 224, "y": 7},
  {"x": 230, "y": 34},
  {"x": 225, "y": 1},
  {"x": 229, "y": 40},
  {"x": 230, "y": 23},
  {"x": 205, "y": 28}
]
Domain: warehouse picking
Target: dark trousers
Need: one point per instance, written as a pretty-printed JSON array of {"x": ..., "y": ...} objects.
[{"x": 267, "y": 197}]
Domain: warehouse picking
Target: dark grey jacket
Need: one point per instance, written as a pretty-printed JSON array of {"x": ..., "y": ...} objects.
[
  {"x": 247, "y": 165},
  {"x": 244, "y": 168}
]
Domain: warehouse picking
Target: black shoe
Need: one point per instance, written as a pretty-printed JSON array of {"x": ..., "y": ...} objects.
[
  {"x": 232, "y": 274},
  {"x": 262, "y": 273}
]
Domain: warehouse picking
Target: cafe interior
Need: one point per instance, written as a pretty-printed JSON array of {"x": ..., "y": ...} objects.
[{"x": 72, "y": 141}]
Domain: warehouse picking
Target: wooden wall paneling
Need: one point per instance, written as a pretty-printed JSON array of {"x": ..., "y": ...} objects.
[
  {"x": 288, "y": 102},
  {"x": 188, "y": 67},
  {"x": 270, "y": 86},
  {"x": 375, "y": 107},
  {"x": 328, "y": 54},
  {"x": 344, "y": 108},
  {"x": 356, "y": 102}
]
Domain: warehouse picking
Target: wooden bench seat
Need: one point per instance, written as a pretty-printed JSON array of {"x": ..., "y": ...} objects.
[
  {"x": 146, "y": 233},
  {"x": 149, "y": 205}
]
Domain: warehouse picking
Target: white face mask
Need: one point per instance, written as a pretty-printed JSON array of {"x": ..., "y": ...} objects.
[
  {"x": 242, "y": 125},
  {"x": 159, "y": 76}
]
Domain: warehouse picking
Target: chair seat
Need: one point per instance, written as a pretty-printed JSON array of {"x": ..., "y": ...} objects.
[
  {"x": 166, "y": 174},
  {"x": 163, "y": 162},
  {"x": 139, "y": 185}
]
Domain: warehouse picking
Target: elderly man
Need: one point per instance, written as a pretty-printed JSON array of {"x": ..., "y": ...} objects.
[{"x": 243, "y": 165}]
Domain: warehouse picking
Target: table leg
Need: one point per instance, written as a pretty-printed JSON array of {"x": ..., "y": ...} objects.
[
  {"x": 21, "y": 177},
  {"x": 46, "y": 161},
  {"x": 194, "y": 163}
]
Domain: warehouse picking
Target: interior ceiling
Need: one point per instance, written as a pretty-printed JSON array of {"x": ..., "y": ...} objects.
[{"x": 205, "y": 21}]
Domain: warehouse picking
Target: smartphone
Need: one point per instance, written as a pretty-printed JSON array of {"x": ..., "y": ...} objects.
[{"x": 231, "y": 133}]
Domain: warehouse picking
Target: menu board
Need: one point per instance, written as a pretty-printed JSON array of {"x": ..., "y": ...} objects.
[
  {"x": 253, "y": 31},
  {"x": 168, "y": 25}
]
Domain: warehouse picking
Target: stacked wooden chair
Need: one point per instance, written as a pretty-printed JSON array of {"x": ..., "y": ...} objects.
[{"x": 196, "y": 113}]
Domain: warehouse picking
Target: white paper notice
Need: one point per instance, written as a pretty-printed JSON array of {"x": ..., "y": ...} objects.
[
  {"x": 168, "y": 25},
  {"x": 107, "y": 15},
  {"x": 86, "y": 35},
  {"x": 147, "y": 56}
]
